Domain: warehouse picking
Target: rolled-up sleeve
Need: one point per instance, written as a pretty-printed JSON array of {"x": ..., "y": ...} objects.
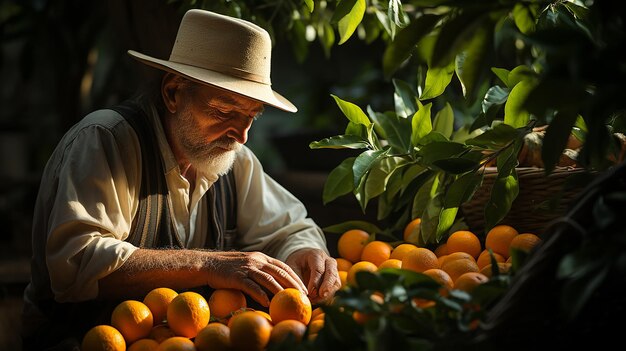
[
  {"x": 91, "y": 212},
  {"x": 269, "y": 217}
]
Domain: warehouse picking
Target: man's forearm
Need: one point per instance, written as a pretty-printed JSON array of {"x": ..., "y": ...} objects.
[{"x": 147, "y": 269}]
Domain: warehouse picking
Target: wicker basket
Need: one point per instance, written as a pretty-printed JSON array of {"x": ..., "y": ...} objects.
[{"x": 541, "y": 199}]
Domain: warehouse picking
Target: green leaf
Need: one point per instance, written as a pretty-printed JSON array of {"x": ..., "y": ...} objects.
[
  {"x": 396, "y": 13},
  {"x": 310, "y": 5},
  {"x": 495, "y": 96},
  {"x": 439, "y": 150},
  {"x": 405, "y": 41},
  {"x": 422, "y": 197},
  {"x": 495, "y": 138},
  {"x": 364, "y": 162},
  {"x": 461, "y": 190},
  {"x": 348, "y": 15},
  {"x": 519, "y": 74},
  {"x": 404, "y": 98},
  {"x": 397, "y": 131},
  {"x": 352, "y": 111},
  {"x": 437, "y": 79},
  {"x": 347, "y": 225},
  {"x": 421, "y": 124},
  {"x": 515, "y": 113},
  {"x": 471, "y": 64},
  {"x": 556, "y": 137},
  {"x": 455, "y": 35},
  {"x": 379, "y": 175},
  {"x": 340, "y": 181},
  {"x": 326, "y": 37},
  {"x": 504, "y": 191},
  {"x": 502, "y": 74},
  {"x": 341, "y": 142},
  {"x": 456, "y": 165},
  {"x": 444, "y": 121},
  {"x": 524, "y": 18}
]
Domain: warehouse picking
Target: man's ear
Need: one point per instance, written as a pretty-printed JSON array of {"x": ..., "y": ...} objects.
[{"x": 169, "y": 88}]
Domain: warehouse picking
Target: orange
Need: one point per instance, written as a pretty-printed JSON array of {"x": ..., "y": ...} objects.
[
  {"x": 266, "y": 315},
  {"x": 290, "y": 303},
  {"x": 249, "y": 331},
  {"x": 455, "y": 256},
  {"x": 103, "y": 338},
  {"x": 143, "y": 345},
  {"x": 351, "y": 244},
  {"x": 390, "y": 263},
  {"x": 133, "y": 319},
  {"x": 343, "y": 277},
  {"x": 161, "y": 332},
  {"x": 224, "y": 301},
  {"x": 282, "y": 329},
  {"x": 457, "y": 267},
  {"x": 485, "y": 258},
  {"x": 343, "y": 264},
  {"x": 177, "y": 343},
  {"x": 157, "y": 301},
  {"x": 441, "y": 277},
  {"x": 213, "y": 337},
  {"x": 316, "y": 312},
  {"x": 399, "y": 251},
  {"x": 363, "y": 317},
  {"x": 441, "y": 250},
  {"x": 411, "y": 232},
  {"x": 442, "y": 258},
  {"x": 464, "y": 241},
  {"x": 525, "y": 242},
  {"x": 315, "y": 326},
  {"x": 499, "y": 238},
  {"x": 503, "y": 268},
  {"x": 357, "y": 267},
  {"x": 376, "y": 252},
  {"x": 419, "y": 260},
  {"x": 468, "y": 281},
  {"x": 188, "y": 313}
]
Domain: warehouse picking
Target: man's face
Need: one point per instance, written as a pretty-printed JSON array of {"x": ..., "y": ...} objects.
[{"x": 212, "y": 125}]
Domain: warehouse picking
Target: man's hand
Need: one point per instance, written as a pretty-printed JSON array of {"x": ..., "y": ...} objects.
[
  {"x": 254, "y": 273},
  {"x": 318, "y": 271}
]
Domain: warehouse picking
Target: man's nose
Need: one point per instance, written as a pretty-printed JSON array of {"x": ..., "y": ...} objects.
[{"x": 239, "y": 129}]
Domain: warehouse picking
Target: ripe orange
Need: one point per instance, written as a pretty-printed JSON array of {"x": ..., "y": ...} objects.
[
  {"x": 133, "y": 319},
  {"x": 485, "y": 258},
  {"x": 457, "y": 267},
  {"x": 499, "y": 238},
  {"x": 376, "y": 252},
  {"x": 188, "y": 313},
  {"x": 214, "y": 337},
  {"x": 390, "y": 263},
  {"x": 464, "y": 241},
  {"x": 525, "y": 242},
  {"x": 290, "y": 303},
  {"x": 103, "y": 338},
  {"x": 266, "y": 315},
  {"x": 419, "y": 260},
  {"x": 503, "y": 268},
  {"x": 441, "y": 250},
  {"x": 343, "y": 264},
  {"x": 224, "y": 301},
  {"x": 343, "y": 277},
  {"x": 282, "y": 329},
  {"x": 177, "y": 343},
  {"x": 468, "y": 281},
  {"x": 456, "y": 256},
  {"x": 157, "y": 301},
  {"x": 357, "y": 267},
  {"x": 316, "y": 312},
  {"x": 411, "y": 232},
  {"x": 161, "y": 332},
  {"x": 399, "y": 251},
  {"x": 143, "y": 345},
  {"x": 441, "y": 277},
  {"x": 315, "y": 326},
  {"x": 249, "y": 331},
  {"x": 351, "y": 244}
]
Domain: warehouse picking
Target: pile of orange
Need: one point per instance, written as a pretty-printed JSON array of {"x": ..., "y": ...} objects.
[
  {"x": 166, "y": 321},
  {"x": 462, "y": 262}
]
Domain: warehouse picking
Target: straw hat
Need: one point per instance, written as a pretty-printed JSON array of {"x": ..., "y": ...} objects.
[{"x": 225, "y": 52}]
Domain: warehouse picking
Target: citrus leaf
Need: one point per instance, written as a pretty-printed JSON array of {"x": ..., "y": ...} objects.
[
  {"x": 437, "y": 79},
  {"x": 471, "y": 64},
  {"x": 503, "y": 192},
  {"x": 515, "y": 113},
  {"x": 339, "y": 181},
  {"x": 503, "y": 74},
  {"x": 444, "y": 121},
  {"x": 340, "y": 142},
  {"x": 364, "y": 162},
  {"x": 496, "y": 138},
  {"x": 397, "y": 131},
  {"x": 421, "y": 124},
  {"x": 405, "y": 41},
  {"x": 404, "y": 98},
  {"x": 310, "y": 5},
  {"x": 524, "y": 18},
  {"x": 519, "y": 74},
  {"x": 455, "y": 35},
  {"x": 456, "y": 165},
  {"x": 439, "y": 150},
  {"x": 379, "y": 175},
  {"x": 347, "y": 225},
  {"x": 352, "y": 111},
  {"x": 348, "y": 15}
]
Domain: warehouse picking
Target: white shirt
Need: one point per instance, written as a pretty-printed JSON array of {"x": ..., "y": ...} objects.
[{"x": 89, "y": 196}]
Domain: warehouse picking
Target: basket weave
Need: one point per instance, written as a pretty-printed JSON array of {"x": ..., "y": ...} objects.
[{"x": 532, "y": 210}]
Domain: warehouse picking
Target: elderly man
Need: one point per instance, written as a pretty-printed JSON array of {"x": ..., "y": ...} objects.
[{"x": 160, "y": 192}]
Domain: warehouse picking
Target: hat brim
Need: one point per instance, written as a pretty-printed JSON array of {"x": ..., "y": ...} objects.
[{"x": 254, "y": 90}]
